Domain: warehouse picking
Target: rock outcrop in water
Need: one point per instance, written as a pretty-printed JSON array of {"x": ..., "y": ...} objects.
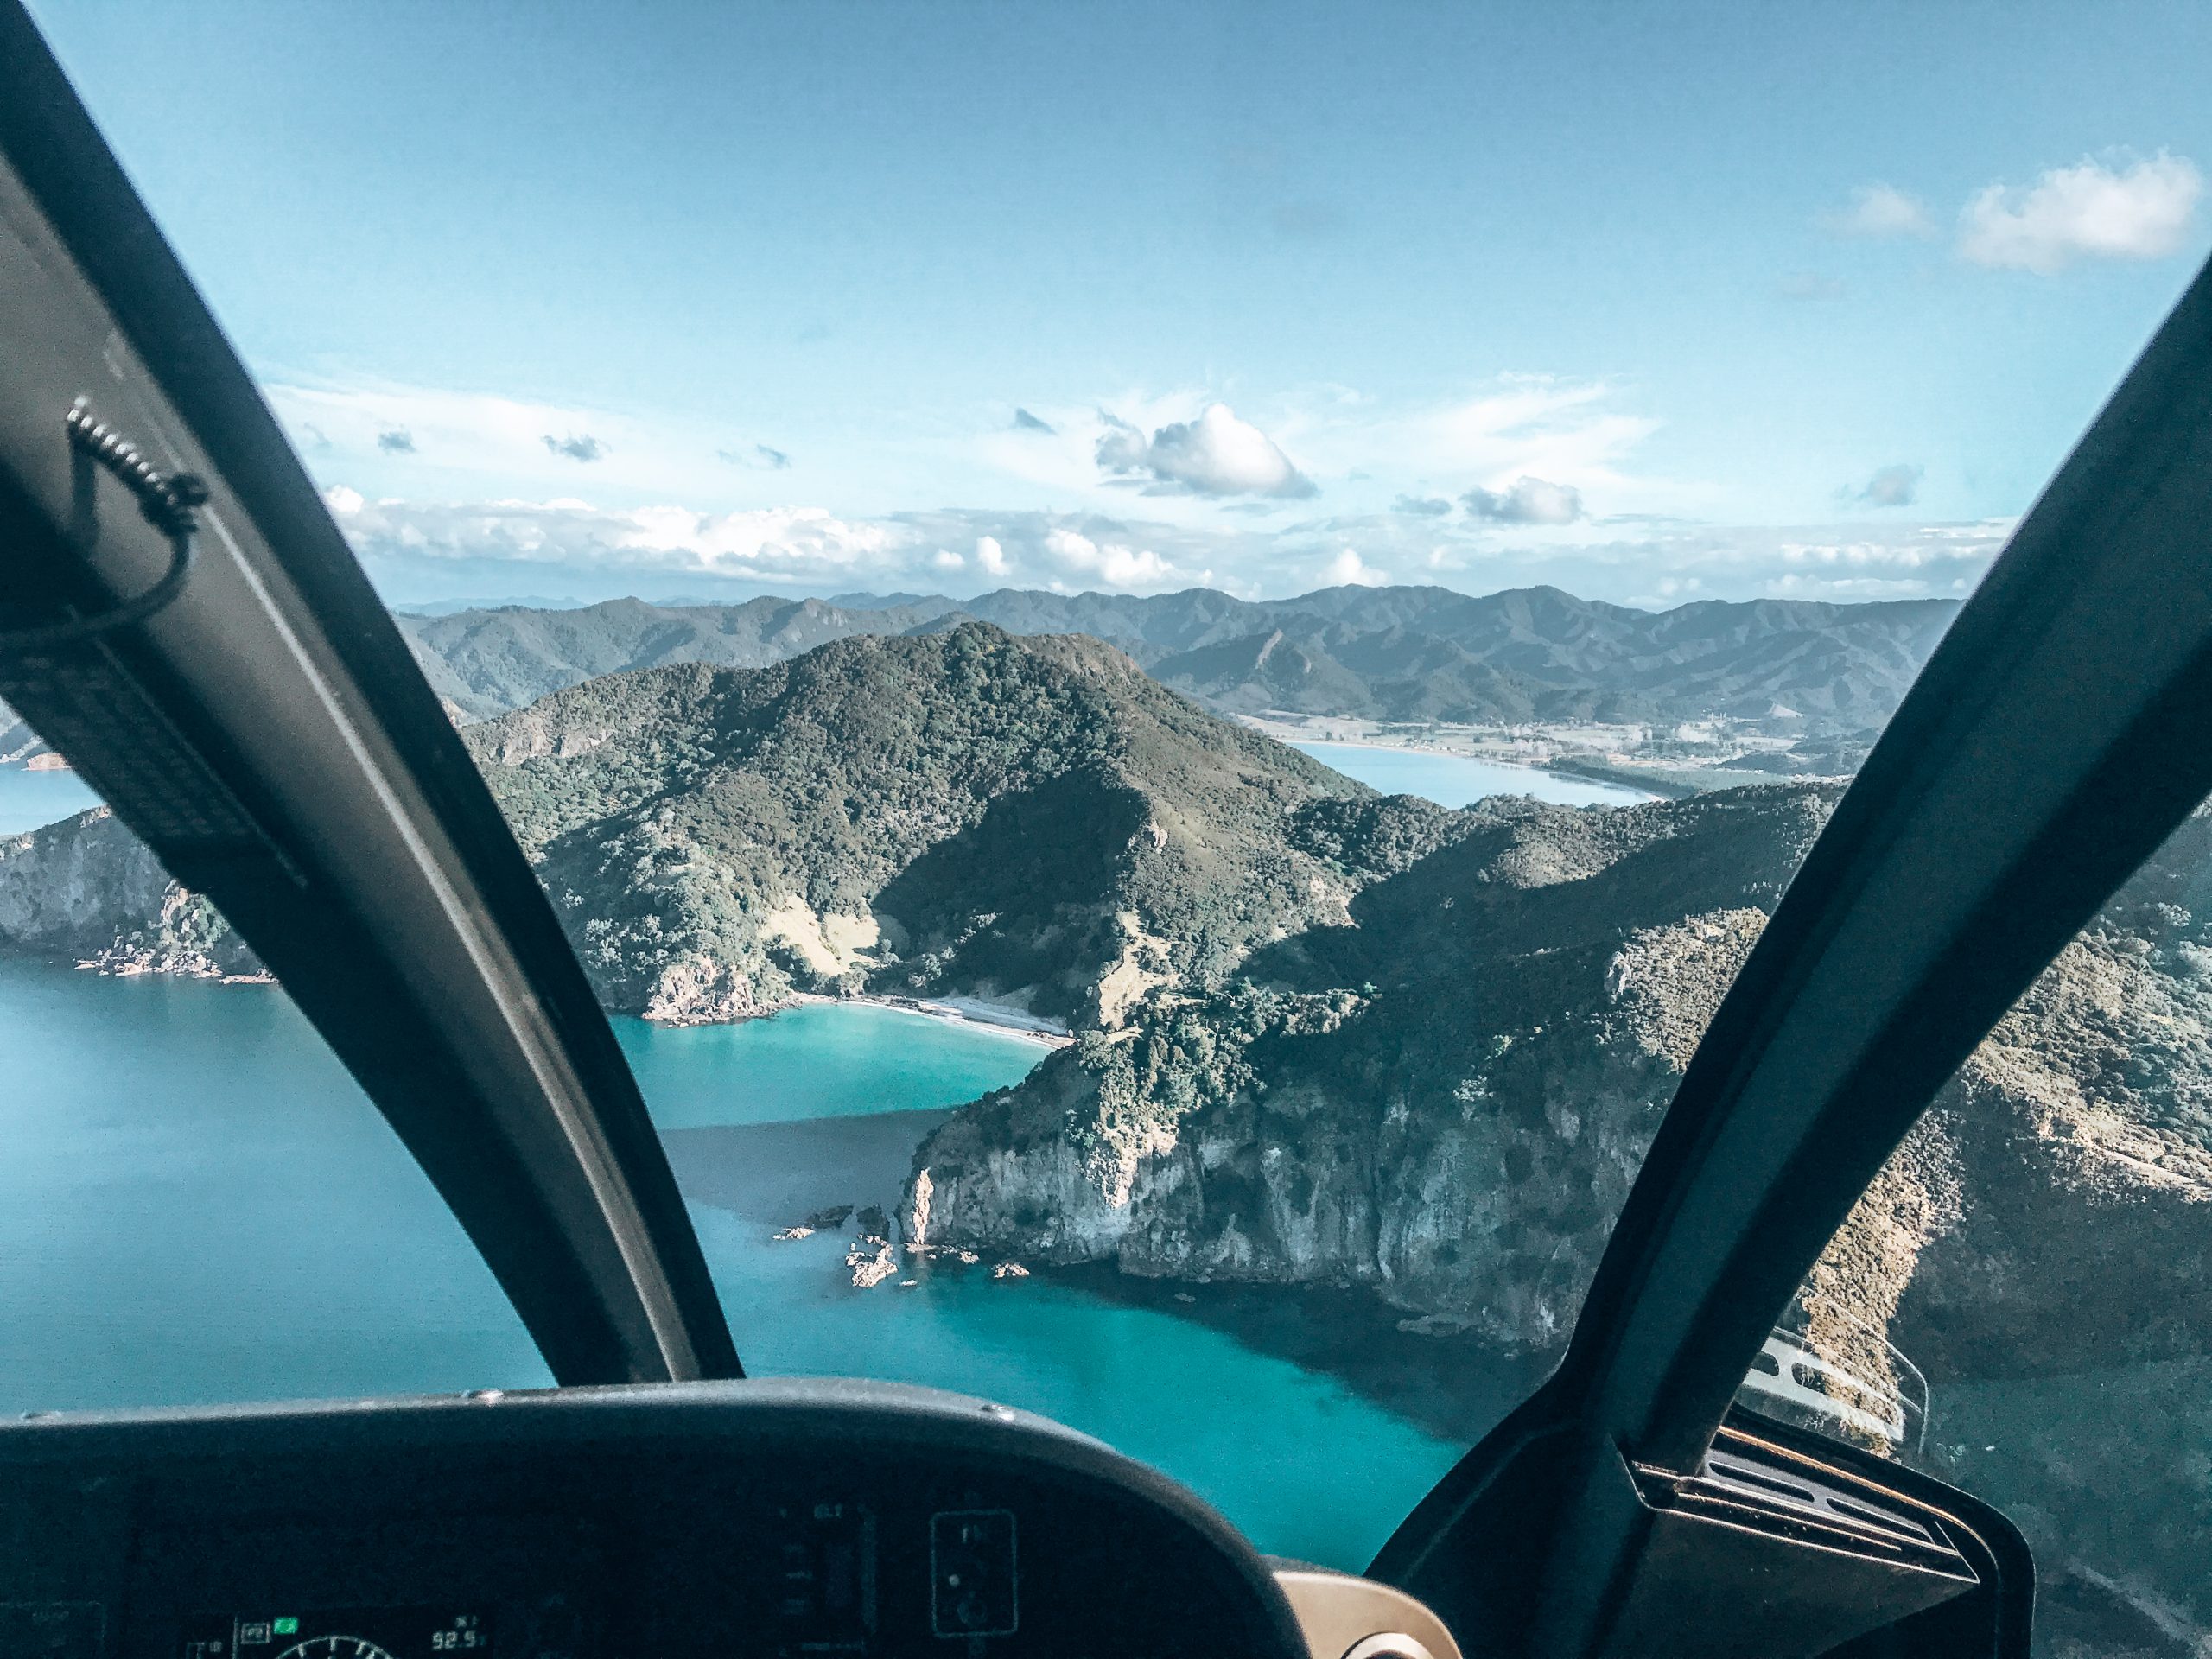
[{"x": 19, "y": 744}]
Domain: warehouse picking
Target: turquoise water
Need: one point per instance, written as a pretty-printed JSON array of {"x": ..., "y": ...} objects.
[
  {"x": 818, "y": 1060},
  {"x": 29, "y": 799},
  {"x": 1454, "y": 780},
  {"x": 197, "y": 1204}
]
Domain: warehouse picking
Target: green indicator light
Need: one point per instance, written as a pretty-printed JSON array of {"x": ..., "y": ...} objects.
[{"x": 285, "y": 1626}]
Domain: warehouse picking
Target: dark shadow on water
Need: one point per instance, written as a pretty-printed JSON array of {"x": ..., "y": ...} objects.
[{"x": 1457, "y": 1387}]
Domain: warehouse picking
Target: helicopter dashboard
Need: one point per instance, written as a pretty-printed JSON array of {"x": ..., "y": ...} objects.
[{"x": 786, "y": 1519}]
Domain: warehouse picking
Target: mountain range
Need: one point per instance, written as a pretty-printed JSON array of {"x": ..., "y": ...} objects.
[{"x": 1399, "y": 654}]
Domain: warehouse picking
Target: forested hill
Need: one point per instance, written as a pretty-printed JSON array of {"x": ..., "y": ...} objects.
[
  {"x": 960, "y": 813},
  {"x": 1390, "y": 653}
]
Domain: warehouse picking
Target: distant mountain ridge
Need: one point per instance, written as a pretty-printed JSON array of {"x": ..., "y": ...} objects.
[{"x": 1402, "y": 653}]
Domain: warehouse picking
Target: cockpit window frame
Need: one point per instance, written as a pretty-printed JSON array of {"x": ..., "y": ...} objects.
[
  {"x": 356, "y": 849},
  {"x": 2051, "y": 743}
]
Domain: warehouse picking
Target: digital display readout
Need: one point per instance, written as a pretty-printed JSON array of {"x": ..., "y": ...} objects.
[{"x": 338, "y": 1633}]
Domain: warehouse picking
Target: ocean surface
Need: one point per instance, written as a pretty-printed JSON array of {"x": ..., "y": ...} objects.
[
  {"x": 1455, "y": 779},
  {"x": 197, "y": 1204},
  {"x": 29, "y": 799}
]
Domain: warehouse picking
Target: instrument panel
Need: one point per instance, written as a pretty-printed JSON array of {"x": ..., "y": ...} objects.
[
  {"x": 343, "y": 1633},
  {"x": 791, "y": 1520}
]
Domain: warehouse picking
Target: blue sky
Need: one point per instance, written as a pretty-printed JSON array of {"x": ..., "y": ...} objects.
[{"x": 1655, "y": 302}]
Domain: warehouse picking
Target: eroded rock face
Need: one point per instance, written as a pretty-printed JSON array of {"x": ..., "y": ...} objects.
[
  {"x": 1482, "y": 1206},
  {"x": 1455, "y": 1123},
  {"x": 88, "y": 890},
  {"x": 1461, "y": 1131}
]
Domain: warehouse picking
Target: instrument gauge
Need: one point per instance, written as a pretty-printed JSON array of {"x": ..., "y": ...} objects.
[{"x": 334, "y": 1647}]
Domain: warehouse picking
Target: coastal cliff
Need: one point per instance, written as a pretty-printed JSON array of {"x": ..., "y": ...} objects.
[
  {"x": 1445, "y": 1098},
  {"x": 87, "y": 889}
]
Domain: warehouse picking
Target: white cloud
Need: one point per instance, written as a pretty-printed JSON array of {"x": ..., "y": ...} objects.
[
  {"x": 758, "y": 456},
  {"x": 1348, "y": 569},
  {"x": 1880, "y": 211},
  {"x": 1570, "y": 432},
  {"x": 1113, "y": 563},
  {"x": 2144, "y": 211},
  {"x": 423, "y": 550},
  {"x": 1215, "y": 454},
  {"x": 775, "y": 545},
  {"x": 945, "y": 559},
  {"x": 466, "y": 445},
  {"x": 1530, "y": 502}
]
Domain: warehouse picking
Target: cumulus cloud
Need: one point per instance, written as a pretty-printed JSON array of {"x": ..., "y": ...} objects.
[
  {"x": 1523, "y": 426},
  {"x": 1348, "y": 569},
  {"x": 1025, "y": 422},
  {"x": 2091, "y": 210},
  {"x": 990, "y": 556},
  {"x": 945, "y": 559},
  {"x": 1530, "y": 502},
  {"x": 396, "y": 442},
  {"x": 586, "y": 447},
  {"x": 1422, "y": 507},
  {"x": 1214, "y": 455},
  {"x": 1113, "y": 563},
  {"x": 1896, "y": 485},
  {"x": 760, "y": 457},
  {"x": 1880, "y": 211}
]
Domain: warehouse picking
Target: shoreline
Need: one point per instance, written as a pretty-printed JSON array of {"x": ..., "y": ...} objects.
[
  {"x": 1006, "y": 1022},
  {"x": 1009, "y": 1023}
]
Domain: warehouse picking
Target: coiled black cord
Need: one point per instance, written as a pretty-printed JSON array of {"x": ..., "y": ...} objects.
[{"x": 169, "y": 504}]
